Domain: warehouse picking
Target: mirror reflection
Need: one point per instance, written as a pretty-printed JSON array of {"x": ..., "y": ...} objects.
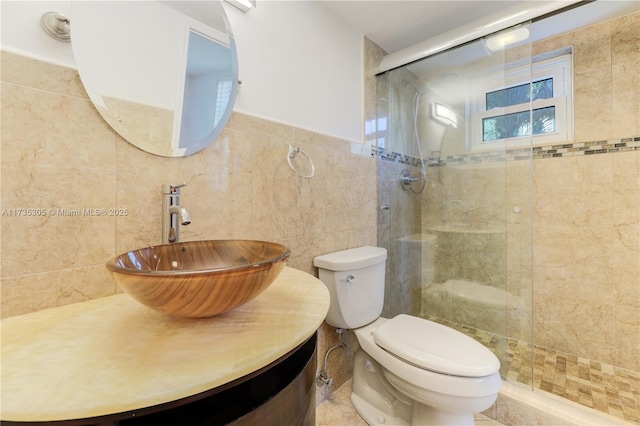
[{"x": 162, "y": 74}]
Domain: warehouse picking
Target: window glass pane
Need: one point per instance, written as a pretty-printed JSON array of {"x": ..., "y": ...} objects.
[
  {"x": 544, "y": 120},
  {"x": 518, "y": 124},
  {"x": 542, "y": 89},
  {"x": 222, "y": 99},
  {"x": 506, "y": 97}
]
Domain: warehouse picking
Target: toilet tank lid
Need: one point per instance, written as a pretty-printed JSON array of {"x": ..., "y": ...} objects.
[{"x": 351, "y": 259}]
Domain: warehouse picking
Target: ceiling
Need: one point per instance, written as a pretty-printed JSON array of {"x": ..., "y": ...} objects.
[
  {"x": 397, "y": 24},
  {"x": 394, "y": 25}
]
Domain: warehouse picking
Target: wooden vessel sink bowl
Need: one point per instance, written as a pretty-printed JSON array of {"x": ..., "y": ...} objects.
[{"x": 199, "y": 279}]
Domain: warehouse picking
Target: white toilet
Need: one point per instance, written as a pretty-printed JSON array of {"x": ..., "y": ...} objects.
[{"x": 410, "y": 370}]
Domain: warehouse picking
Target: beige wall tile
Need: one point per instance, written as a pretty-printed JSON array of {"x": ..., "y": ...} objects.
[
  {"x": 30, "y": 293},
  {"x": 59, "y": 153},
  {"x": 349, "y": 202},
  {"x": 592, "y": 83},
  {"x": 573, "y": 191},
  {"x": 626, "y": 265},
  {"x": 573, "y": 262},
  {"x": 574, "y": 326},
  {"x": 63, "y": 170},
  {"x": 554, "y": 43},
  {"x": 626, "y": 172},
  {"x": 261, "y": 126},
  {"x": 303, "y": 250},
  {"x": 625, "y": 88},
  {"x": 372, "y": 55},
  {"x": 627, "y": 338},
  {"x": 23, "y": 71},
  {"x": 37, "y": 132}
]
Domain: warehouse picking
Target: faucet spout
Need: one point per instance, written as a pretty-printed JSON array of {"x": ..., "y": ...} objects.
[{"x": 183, "y": 214}]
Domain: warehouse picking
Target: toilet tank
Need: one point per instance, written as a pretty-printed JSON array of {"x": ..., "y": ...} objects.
[{"x": 355, "y": 279}]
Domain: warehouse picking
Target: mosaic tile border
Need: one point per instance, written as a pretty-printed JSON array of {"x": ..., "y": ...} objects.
[
  {"x": 539, "y": 152},
  {"x": 395, "y": 157},
  {"x": 587, "y": 148}
]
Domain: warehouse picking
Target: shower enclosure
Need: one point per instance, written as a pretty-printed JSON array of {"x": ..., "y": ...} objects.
[
  {"x": 459, "y": 198},
  {"x": 497, "y": 221}
]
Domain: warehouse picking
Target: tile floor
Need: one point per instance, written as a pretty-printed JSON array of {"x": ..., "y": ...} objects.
[{"x": 338, "y": 411}]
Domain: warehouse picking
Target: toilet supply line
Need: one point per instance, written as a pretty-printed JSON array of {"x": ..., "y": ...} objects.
[{"x": 323, "y": 375}]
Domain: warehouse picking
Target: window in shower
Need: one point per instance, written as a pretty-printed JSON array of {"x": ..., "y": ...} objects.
[{"x": 528, "y": 100}]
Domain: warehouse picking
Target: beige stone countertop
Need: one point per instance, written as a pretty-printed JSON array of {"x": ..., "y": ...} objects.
[{"x": 114, "y": 355}]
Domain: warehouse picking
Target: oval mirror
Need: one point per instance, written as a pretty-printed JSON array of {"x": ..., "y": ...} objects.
[{"x": 163, "y": 74}]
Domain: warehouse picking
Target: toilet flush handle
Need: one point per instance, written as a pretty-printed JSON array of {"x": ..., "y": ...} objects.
[{"x": 349, "y": 279}]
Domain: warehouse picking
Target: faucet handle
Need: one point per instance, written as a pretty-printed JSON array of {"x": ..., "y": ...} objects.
[
  {"x": 172, "y": 189},
  {"x": 180, "y": 185},
  {"x": 175, "y": 188}
]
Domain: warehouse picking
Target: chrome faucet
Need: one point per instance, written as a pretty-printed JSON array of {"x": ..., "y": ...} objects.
[{"x": 173, "y": 215}]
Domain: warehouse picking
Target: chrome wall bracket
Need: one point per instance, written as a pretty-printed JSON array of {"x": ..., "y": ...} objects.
[{"x": 57, "y": 26}]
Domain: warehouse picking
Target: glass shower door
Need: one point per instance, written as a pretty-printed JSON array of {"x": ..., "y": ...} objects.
[{"x": 460, "y": 249}]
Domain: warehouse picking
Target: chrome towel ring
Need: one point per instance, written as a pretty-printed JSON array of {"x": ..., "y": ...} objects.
[{"x": 293, "y": 151}]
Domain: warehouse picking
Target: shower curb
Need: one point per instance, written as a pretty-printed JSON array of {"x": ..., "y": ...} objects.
[{"x": 519, "y": 405}]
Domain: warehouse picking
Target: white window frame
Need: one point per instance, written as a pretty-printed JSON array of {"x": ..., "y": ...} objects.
[{"x": 559, "y": 67}]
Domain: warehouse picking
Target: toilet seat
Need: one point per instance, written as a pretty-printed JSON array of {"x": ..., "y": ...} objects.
[{"x": 435, "y": 347}]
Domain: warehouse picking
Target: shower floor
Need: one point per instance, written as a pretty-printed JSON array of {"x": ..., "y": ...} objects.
[{"x": 603, "y": 387}]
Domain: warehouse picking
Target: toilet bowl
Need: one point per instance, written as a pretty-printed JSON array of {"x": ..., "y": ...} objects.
[
  {"x": 409, "y": 370},
  {"x": 446, "y": 385}
]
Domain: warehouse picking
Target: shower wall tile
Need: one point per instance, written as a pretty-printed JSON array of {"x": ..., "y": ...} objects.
[
  {"x": 574, "y": 191},
  {"x": 574, "y": 263},
  {"x": 576, "y": 327},
  {"x": 626, "y": 265},
  {"x": 553, "y": 43},
  {"x": 518, "y": 213},
  {"x": 399, "y": 224},
  {"x": 519, "y": 278},
  {"x": 627, "y": 338},
  {"x": 584, "y": 273},
  {"x": 626, "y": 260},
  {"x": 592, "y": 82},
  {"x": 518, "y": 197},
  {"x": 590, "y": 260},
  {"x": 372, "y": 55},
  {"x": 625, "y": 57},
  {"x": 626, "y": 192}
]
